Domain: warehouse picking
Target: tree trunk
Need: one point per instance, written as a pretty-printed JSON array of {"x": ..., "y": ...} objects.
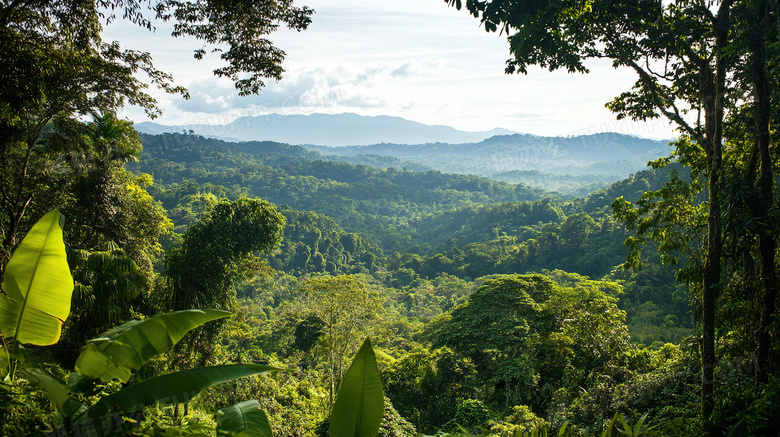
[
  {"x": 765, "y": 188},
  {"x": 711, "y": 287},
  {"x": 332, "y": 369},
  {"x": 713, "y": 92}
]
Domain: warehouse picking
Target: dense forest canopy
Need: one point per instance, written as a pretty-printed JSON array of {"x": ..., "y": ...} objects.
[{"x": 175, "y": 284}]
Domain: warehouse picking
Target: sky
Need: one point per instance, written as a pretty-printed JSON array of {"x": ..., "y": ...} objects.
[{"x": 416, "y": 59}]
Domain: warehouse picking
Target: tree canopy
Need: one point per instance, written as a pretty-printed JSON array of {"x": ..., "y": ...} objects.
[
  {"x": 219, "y": 250},
  {"x": 705, "y": 66},
  {"x": 56, "y": 69},
  {"x": 467, "y": 341}
]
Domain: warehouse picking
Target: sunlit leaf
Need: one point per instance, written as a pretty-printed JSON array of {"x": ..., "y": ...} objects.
[
  {"x": 360, "y": 403},
  {"x": 120, "y": 351},
  {"x": 244, "y": 419},
  {"x": 37, "y": 285},
  {"x": 5, "y": 360}
]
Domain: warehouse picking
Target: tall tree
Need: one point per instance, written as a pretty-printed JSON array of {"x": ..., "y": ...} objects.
[
  {"x": 216, "y": 252},
  {"x": 524, "y": 330},
  {"x": 687, "y": 59},
  {"x": 106, "y": 204},
  {"x": 55, "y": 67},
  {"x": 219, "y": 250},
  {"x": 346, "y": 308},
  {"x": 762, "y": 42}
]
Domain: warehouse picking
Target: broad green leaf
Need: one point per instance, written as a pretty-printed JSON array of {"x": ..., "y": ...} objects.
[
  {"x": 5, "y": 360},
  {"x": 55, "y": 391},
  {"x": 78, "y": 383},
  {"x": 627, "y": 431},
  {"x": 120, "y": 351},
  {"x": 38, "y": 285},
  {"x": 360, "y": 403},
  {"x": 611, "y": 426},
  {"x": 172, "y": 388},
  {"x": 562, "y": 431},
  {"x": 244, "y": 419}
]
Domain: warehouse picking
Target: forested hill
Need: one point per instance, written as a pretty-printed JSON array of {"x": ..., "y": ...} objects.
[
  {"x": 345, "y": 218},
  {"x": 378, "y": 203},
  {"x": 408, "y": 226},
  {"x": 515, "y": 285},
  {"x": 424, "y": 242},
  {"x": 395, "y": 210},
  {"x": 574, "y": 165},
  {"x": 590, "y": 148}
]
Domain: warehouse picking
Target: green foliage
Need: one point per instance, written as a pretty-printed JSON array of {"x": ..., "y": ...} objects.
[
  {"x": 57, "y": 70},
  {"x": 24, "y": 411},
  {"x": 241, "y": 28},
  {"x": 173, "y": 388},
  {"x": 524, "y": 332},
  {"x": 110, "y": 206},
  {"x": 346, "y": 307},
  {"x": 107, "y": 282},
  {"x": 519, "y": 421},
  {"x": 110, "y": 288},
  {"x": 359, "y": 405},
  {"x": 317, "y": 244},
  {"x": 294, "y": 401},
  {"x": 726, "y": 76},
  {"x": 393, "y": 424},
  {"x": 307, "y": 332},
  {"x": 38, "y": 264},
  {"x": 427, "y": 386},
  {"x": 117, "y": 353},
  {"x": 244, "y": 419},
  {"x": 37, "y": 286},
  {"x": 219, "y": 250},
  {"x": 530, "y": 236},
  {"x": 471, "y": 413},
  {"x": 163, "y": 421},
  {"x": 379, "y": 204},
  {"x": 617, "y": 426},
  {"x": 61, "y": 398}
]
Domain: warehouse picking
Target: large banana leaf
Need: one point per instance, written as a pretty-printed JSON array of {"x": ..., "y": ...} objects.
[
  {"x": 38, "y": 285},
  {"x": 116, "y": 353},
  {"x": 360, "y": 403},
  {"x": 5, "y": 360},
  {"x": 172, "y": 388},
  {"x": 57, "y": 393},
  {"x": 244, "y": 419}
]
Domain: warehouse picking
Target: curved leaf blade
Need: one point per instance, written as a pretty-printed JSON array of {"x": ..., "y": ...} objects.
[
  {"x": 5, "y": 360},
  {"x": 120, "y": 351},
  {"x": 360, "y": 403},
  {"x": 172, "y": 388},
  {"x": 562, "y": 431},
  {"x": 244, "y": 419},
  {"x": 57, "y": 393},
  {"x": 38, "y": 285}
]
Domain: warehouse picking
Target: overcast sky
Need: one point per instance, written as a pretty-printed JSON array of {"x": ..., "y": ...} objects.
[{"x": 416, "y": 59}]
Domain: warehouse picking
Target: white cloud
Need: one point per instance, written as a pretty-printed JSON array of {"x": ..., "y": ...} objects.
[{"x": 415, "y": 59}]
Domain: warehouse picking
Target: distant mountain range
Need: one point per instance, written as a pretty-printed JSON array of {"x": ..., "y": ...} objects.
[
  {"x": 503, "y": 153},
  {"x": 325, "y": 130},
  {"x": 571, "y": 165}
]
